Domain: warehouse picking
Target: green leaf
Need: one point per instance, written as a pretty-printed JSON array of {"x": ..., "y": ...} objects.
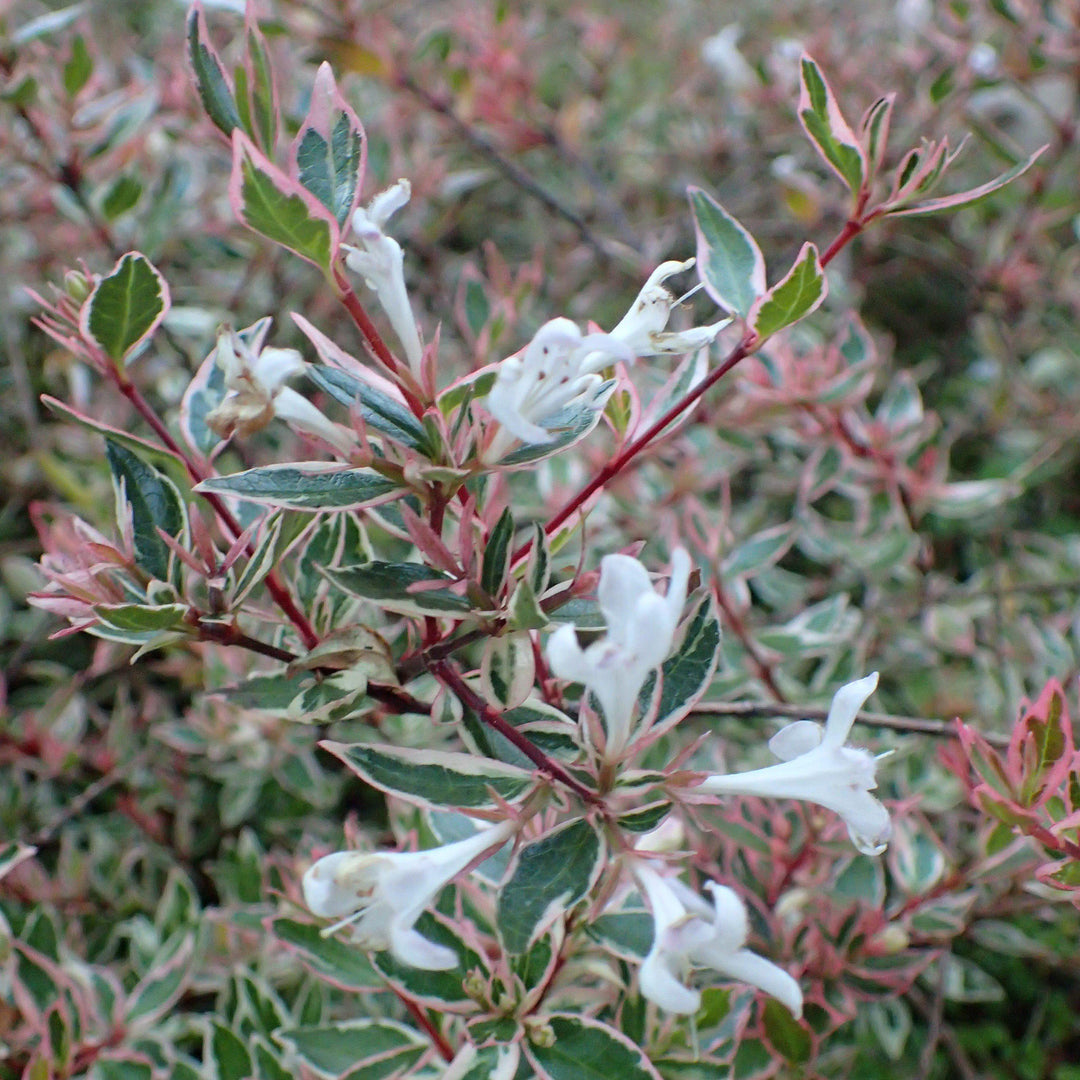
[
  {"x": 789, "y": 1038},
  {"x": 972, "y": 195},
  {"x": 330, "y": 959},
  {"x": 549, "y": 877},
  {"x": 229, "y": 1054},
  {"x": 646, "y": 819},
  {"x": 141, "y": 616},
  {"x": 329, "y": 148},
  {"x": 264, "y": 120},
  {"x": 210, "y": 78},
  {"x": 686, "y": 674},
  {"x": 163, "y": 984},
  {"x": 279, "y": 208},
  {"x": 497, "y": 554},
  {"x": 828, "y": 130},
  {"x": 792, "y": 298},
  {"x": 379, "y": 410},
  {"x": 79, "y": 67},
  {"x": 433, "y": 777},
  {"x": 586, "y": 1049},
  {"x": 729, "y": 261},
  {"x": 306, "y": 486},
  {"x": 568, "y": 426},
  {"x": 507, "y": 670},
  {"x": 112, "y": 1066},
  {"x": 387, "y": 584},
  {"x": 126, "y": 307},
  {"x": 155, "y": 504},
  {"x": 757, "y": 553},
  {"x": 121, "y": 197},
  {"x": 333, "y": 1049}
]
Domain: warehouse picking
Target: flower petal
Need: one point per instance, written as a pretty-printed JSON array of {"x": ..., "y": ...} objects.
[
  {"x": 846, "y": 703},
  {"x": 410, "y": 947},
  {"x": 796, "y": 739},
  {"x": 747, "y": 967}
]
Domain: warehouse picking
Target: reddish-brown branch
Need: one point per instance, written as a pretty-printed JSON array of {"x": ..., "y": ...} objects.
[
  {"x": 738, "y": 627},
  {"x": 277, "y": 590},
  {"x": 449, "y": 677},
  {"x": 421, "y": 1017}
]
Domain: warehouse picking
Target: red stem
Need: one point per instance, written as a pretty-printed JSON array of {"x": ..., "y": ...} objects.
[
  {"x": 449, "y": 677},
  {"x": 422, "y": 1018},
  {"x": 273, "y": 583},
  {"x": 745, "y": 348}
]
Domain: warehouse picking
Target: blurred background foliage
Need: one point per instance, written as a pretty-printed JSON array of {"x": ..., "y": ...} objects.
[{"x": 549, "y": 147}]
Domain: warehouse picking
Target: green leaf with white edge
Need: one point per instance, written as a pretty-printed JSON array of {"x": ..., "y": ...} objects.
[
  {"x": 329, "y": 148},
  {"x": 524, "y": 611},
  {"x": 965, "y": 499},
  {"x": 306, "y": 485},
  {"x": 13, "y": 853},
  {"x": 646, "y": 818},
  {"x": 568, "y": 427},
  {"x": 729, "y": 261},
  {"x": 388, "y": 585},
  {"x": 142, "y": 616},
  {"x": 261, "y": 561},
  {"x": 330, "y": 959},
  {"x": 496, "y": 560},
  {"x": 260, "y": 87},
  {"x": 154, "y": 504},
  {"x": 482, "y": 1067},
  {"x": 966, "y": 198},
  {"x": 792, "y": 298},
  {"x": 434, "y": 778},
  {"x": 119, "y": 1065},
  {"x": 332, "y": 1049},
  {"x": 379, "y": 410},
  {"x": 963, "y": 980},
  {"x": 210, "y": 78},
  {"x": 162, "y": 986},
  {"x": 756, "y": 554},
  {"x": 435, "y": 989},
  {"x": 538, "y": 565},
  {"x": 549, "y": 877},
  {"x": 507, "y": 670},
  {"x": 586, "y": 1049},
  {"x": 279, "y": 208},
  {"x": 686, "y": 674},
  {"x": 229, "y": 1054},
  {"x": 125, "y": 307},
  {"x": 828, "y": 130}
]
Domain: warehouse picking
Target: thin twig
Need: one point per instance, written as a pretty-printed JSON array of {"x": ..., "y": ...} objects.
[{"x": 920, "y": 725}]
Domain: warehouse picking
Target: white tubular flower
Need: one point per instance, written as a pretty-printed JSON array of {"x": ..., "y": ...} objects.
[
  {"x": 256, "y": 393},
  {"x": 817, "y": 767},
  {"x": 640, "y": 627},
  {"x": 642, "y": 328},
  {"x": 558, "y": 367},
  {"x": 689, "y": 932},
  {"x": 380, "y": 261},
  {"x": 381, "y": 894}
]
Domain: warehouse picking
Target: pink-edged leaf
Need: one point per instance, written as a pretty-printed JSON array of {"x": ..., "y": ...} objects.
[
  {"x": 828, "y": 130},
  {"x": 274, "y": 205},
  {"x": 874, "y": 131},
  {"x": 794, "y": 296},
  {"x": 12, "y": 853},
  {"x": 203, "y": 395},
  {"x": 729, "y": 261},
  {"x": 1041, "y": 749},
  {"x": 126, "y": 306},
  {"x": 262, "y": 92},
  {"x": 329, "y": 152},
  {"x": 972, "y": 195},
  {"x": 333, "y": 355},
  {"x": 215, "y": 90},
  {"x": 584, "y": 1047}
]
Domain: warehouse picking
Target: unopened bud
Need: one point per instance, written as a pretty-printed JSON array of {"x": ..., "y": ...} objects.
[
  {"x": 77, "y": 285},
  {"x": 540, "y": 1032},
  {"x": 892, "y": 940}
]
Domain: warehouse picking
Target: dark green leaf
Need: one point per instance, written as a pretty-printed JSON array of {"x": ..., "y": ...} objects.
[
  {"x": 78, "y": 68},
  {"x": 387, "y": 584},
  {"x": 332, "y": 960},
  {"x": 549, "y": 877},
  {"x": 379, "y": 410},
  {"x": 230, "y": 1054},
  {"x": 310, "y": 486},
  {"x": 588, "y": 1050},
  {"x": 497, "y": 554},
  {"x": 210, "y": 79},
  {"x": 334, "y": 1049},
  {"x": 433, "y": 777},
  {"x": 825, "y": 124},
  {"x": 125, "y": 307},
  {"x": 121, "y": 197},
  {"x": 155, "y": 504}
]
